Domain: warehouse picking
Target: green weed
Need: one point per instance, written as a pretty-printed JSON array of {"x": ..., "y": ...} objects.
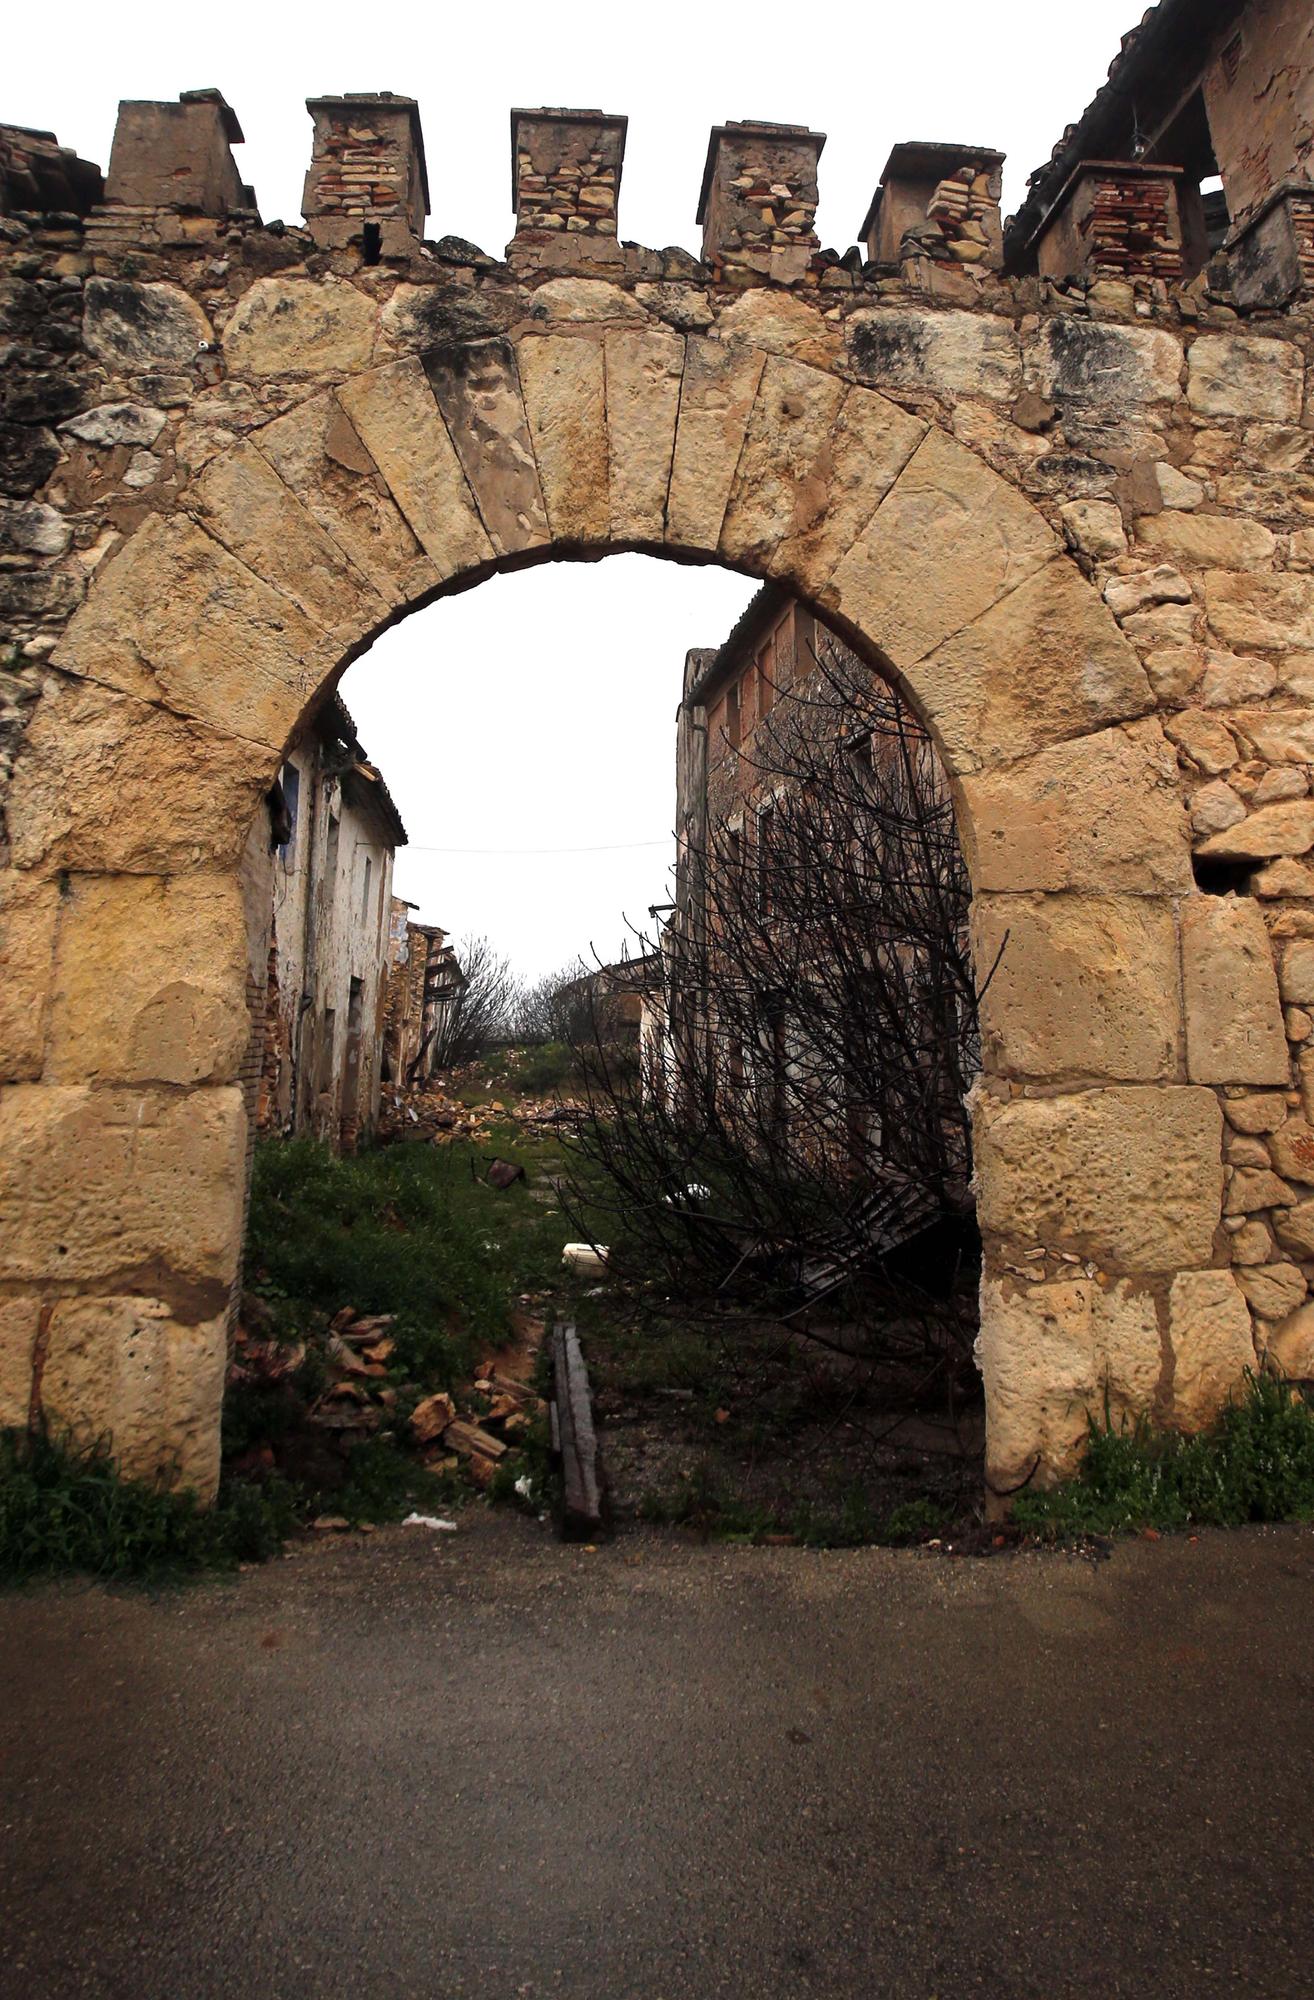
[{"x": 1256, "y": 1463}]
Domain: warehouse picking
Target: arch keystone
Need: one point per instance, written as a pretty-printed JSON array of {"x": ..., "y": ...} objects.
[
  {"x": 644, "y": 368},
  {"x": 566, "y": 401}
]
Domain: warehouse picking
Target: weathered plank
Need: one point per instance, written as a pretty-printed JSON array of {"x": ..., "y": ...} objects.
[{"x": 574, "y": 1438}]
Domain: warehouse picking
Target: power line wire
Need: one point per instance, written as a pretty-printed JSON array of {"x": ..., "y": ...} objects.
[{"x": 616, "y": 847}]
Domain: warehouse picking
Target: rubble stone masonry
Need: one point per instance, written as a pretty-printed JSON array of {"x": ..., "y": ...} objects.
[{"x": 1074, "y": 517}]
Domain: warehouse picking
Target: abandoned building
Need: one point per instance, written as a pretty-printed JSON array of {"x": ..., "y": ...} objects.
[
  {"x": 424, "y": 982},
  {"x": 322, "y": 931},
  {"x": 1054, "y": 478}
]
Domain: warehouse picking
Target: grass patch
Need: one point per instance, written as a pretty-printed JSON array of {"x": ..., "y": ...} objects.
[
  {"x": 1256, "y": 1463},
  {"x": 65, "y": 1509}
]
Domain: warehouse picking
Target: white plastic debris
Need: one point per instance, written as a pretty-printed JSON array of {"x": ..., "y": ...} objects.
[
  {"x": 585, "y": 1256},
  {"x": 429, "y": 1521},
  {"x": 525, "y": 1487}
]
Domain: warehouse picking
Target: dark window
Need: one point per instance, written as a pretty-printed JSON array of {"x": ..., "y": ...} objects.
[{"x": 290, "y": 782}]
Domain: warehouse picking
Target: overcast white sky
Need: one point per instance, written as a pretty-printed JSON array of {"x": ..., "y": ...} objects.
[{"x": 538, "y": 711}]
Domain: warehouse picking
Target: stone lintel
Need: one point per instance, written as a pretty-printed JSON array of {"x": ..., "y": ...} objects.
[{"x": 177, "y": 156}]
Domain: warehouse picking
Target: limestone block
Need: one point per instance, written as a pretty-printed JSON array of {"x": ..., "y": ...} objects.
[
  {"x": 1209, "y": 1331},
  {"x": 175, "y": 618},
  {"x": 1296, "y": 973},
  {"x": 1173, "y": 488},
  {"x": 1127, "y": 595},
  {"x": 1053, "y": 1358},
  {"x": 1255, "y": 1114},
  {"x": 1292, "y": 1151},
  {"x": 28, "y": 911},
  {"x": 1130, "y": 1176},
  {"x": 1229, "y": 679},
  {"x": 1251, "y": 1188},
  {"x": 1262, "y": 611},
  {"x": 952, "y": 354},
  {"x": 949, "y": 539},
  {"x": 1251, "y": 1241},
  {"x": 18, "y": 1331},
  {"x": 1289, "y": 1349},
  {"x": 299, "y": 327},
  {"x": 1272, "y": 1290},
  {"x": 585, "y": 300},
  {"x": 244, "y": 504},
  {"x": 720, "y": 386},
  {"x": 1203, "y": 739},
  {"x": 105, "y": 782},
  {"x": 1284, "y": 828},
  {"x": 1295, "y": 1228},
  {"x": 644, "y": 368},
  {"x": 402, "y": 428},
  {"x": 1078, "y": 986},
  {"x": 477, "y": 388},
  {"x": 101, "y": 1184},
  {"x": 1090, "y": 361},
  {"x": 779, "y": 322},
  {"x": 29, "y": 527},
  {"x": 1281, "y": 880},
  {"x": 685, "y": 307},
  {"x": 1278, "y": 736},
  {"x": 318, "y": 454},
  {"x": 1094, "y": 527},
  {"x": 130, "y": 326},
  {"x": 150, "y": 981},
  {"x": 565, "y": 398},
  {"x": 117, "y": 423},
  {"x": 1210, "y": 541},
  {"x": 780, "y": 482},
  {"x": 1044, "y": 663},
  {"x": 123, "y": 1368},
  {"x": 871, "y": 443},
  {"x": 1100, "y": 814},
  {"x": 1234, "y": 1031},
  {"x": 1215, "y": 807},
  {"x": 422, "y": 318},
  {"x": 1245, "y": 375}
]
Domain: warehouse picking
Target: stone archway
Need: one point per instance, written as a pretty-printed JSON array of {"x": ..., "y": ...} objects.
[{"x": 381, "y": 459}]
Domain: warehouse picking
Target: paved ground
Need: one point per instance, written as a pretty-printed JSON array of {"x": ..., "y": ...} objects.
[{"x": 486, "y": 1765}]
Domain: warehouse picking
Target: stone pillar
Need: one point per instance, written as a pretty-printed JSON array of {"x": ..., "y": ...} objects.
[
  {"x": 1114, "y": 219},
  {"x": 944, "y": 199},
  {"x": 565, "y": 186},
  {"x": 1272, "y": 253},
  {"x": 367, "y": 183},
  {"x": 177, "y": 156},
  {"x": 758, "y": 205}
]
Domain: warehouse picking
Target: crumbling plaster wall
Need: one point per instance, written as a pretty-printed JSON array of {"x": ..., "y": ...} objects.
[{"x": 1077, "y": 522}]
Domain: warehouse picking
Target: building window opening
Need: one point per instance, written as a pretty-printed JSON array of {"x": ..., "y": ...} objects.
[
  {"x": 372, "y": 243},
  {"x": 290, "y": 785},
  {"x": 365, "y": 891}
]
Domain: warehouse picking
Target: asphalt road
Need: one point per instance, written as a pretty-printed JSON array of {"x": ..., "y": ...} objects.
[{"x": 487, "y": 1765}]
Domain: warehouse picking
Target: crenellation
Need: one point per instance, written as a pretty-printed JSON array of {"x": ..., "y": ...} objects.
[
  {"x": 758, "y": 204},
  {"x": 367, "y": 186},
  {"x": 565, "y": 188}
]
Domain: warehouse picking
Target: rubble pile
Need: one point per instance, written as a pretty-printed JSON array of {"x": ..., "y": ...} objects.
[{"x": 432, "y": 1114}]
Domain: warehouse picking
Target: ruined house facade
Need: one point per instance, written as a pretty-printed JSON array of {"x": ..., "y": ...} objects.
[
  {"x": 317, "y": 875},
  {"x": 424, "y": 985},
  {"x": 1058, "y": 484}
]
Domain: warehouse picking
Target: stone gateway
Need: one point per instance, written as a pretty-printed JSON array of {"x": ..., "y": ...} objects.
[{"x": 1067, "y": 509}]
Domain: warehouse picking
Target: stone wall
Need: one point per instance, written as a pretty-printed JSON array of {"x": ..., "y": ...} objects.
[{"x": 1074, "y": 519}]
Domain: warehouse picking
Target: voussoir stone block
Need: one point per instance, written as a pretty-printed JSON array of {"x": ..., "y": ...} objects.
[
  {"x": 150, "y": 981},
  {"x": 1044, "y": 663},
  {"x": 109, "y": 1184},
  {"x": 716, "y": 401},
  {"x": 207, "y": 637},
  {"x": 644, "y": 368},
  {"x": 1101, "y": 813},
  {"x": 124, "y": 1369},
  {"x": 949, "y": 539},
  {"x": 1128, "y": 1176},
  {"x": 477, "y": 388},
  {"x": 296, "y": 327},
  {"x": 1212, "y": 1344},
  {"x": 28, "y": 913},
  {"x": 1234, "y": 1031},
  {"x": 320, "y": 456},
  {"x": 1052, "y": 1358},
  {"x": 1078, "y": 986},
  {"x": 788, "y": 431},
  {"x": 242, "y": 502},
  {"x": 564, "y": 381},
  {"x": 401, "y": 426}
]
